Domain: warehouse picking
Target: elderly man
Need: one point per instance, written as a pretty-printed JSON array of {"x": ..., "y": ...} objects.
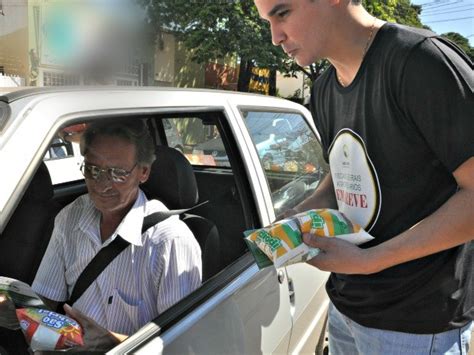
[{"x": 160, "y": 266}]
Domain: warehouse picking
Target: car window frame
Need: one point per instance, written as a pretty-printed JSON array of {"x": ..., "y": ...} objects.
[
  {"x": 308, "y": 120},
  {"x": 232, "y": 272},
  {"x": 244, "y": 263}
]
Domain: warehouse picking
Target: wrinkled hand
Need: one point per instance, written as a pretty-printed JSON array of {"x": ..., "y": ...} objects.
[
  {"x": 339, "y": 255},
  {"x": 96, "y": 338},
  {"x": 8, "y": 317}
]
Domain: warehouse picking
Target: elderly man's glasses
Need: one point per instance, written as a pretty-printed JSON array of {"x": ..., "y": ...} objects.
[{"x": 117, "y": 175}]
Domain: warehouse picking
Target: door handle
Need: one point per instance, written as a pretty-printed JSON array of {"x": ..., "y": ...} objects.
[
  {"x": 291, "y": 291},
  {"x": 281, "y": 276}
]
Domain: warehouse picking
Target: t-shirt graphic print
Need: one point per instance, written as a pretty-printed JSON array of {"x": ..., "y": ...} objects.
[{"x": 355, "y": 180}]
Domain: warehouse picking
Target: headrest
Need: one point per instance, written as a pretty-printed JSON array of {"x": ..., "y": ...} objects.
[
  {"x": 41, "y": 187},
  {"x": 172, "y": 180}
]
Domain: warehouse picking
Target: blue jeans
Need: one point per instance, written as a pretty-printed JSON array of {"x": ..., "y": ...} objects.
[{"x": 347, "y": 337}]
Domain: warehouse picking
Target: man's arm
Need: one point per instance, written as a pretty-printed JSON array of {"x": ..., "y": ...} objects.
[
  {"x": 322, "y": 197},
  {"x": 451, "y": 225}
]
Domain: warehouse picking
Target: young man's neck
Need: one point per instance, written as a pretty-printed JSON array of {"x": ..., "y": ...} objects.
[{"x": 354, "y": 37}]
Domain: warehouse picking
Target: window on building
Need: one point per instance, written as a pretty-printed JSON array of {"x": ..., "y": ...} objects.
[
  {"x": 121, "y": 82},
  {"x": 60, "y": 79}
]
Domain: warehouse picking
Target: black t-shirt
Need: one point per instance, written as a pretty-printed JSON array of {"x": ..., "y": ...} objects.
[{"x": 393, "y": 138}]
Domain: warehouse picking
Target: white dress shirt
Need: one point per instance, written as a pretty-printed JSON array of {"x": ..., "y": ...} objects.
[{"x": 160, "y": 267}]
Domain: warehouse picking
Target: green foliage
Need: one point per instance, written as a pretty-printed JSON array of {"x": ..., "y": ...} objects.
[
  {"x": 221, "y": 28},
  {"x": 382, "y": 9},
  {"x": 218, "y": 29},
  {"x": 462, "y": 42},
  {"x": 398, "y": 11}
]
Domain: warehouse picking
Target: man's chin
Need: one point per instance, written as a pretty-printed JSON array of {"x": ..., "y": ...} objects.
[
  {"x": 105, "y": 206},
  {"x": 303, "y": 62}
]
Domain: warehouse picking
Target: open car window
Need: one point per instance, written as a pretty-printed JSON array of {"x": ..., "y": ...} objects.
[
  {"x": 198, "y": 140},
  {"x": 290, "y": 154}
]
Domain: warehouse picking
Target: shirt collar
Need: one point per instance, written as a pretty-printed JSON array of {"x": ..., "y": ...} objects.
[
  {"x": 89, "y": 215},
  {"x": 129, "y": 229}
]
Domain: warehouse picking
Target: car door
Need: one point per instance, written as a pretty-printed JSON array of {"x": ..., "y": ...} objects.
[
  {"x": 249, "y": 316},
  {"x": 249, "y": 312},
  {"x": 241, "y": 309},
  {"x": 291, "y": 179}
]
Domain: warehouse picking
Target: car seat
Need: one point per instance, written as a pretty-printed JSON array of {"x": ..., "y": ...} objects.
[
  {"x": 23, "y": 243},
  {"x": 26, "y": 236},
  {"x": 172, "y": 181}
]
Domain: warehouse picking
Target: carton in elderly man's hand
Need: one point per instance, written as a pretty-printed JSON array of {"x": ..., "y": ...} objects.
[{"x": 45, "y": 330}]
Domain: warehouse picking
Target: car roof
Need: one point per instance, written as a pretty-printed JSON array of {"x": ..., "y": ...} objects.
[
  {"x": 9, "y": 96},
  {"x": 113, "y": 97}
]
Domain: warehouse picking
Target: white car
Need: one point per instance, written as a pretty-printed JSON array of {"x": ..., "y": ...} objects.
[{"x": 239, "y": 309}]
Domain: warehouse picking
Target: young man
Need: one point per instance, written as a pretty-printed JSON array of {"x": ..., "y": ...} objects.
[
  {"x": 160, "y": 267},
  {"x": 395, "y": 114}
]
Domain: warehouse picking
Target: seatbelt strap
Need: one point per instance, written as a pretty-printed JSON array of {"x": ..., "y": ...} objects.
[
  {"x": 157, "y": 217},
  {"x": 105, "y": 256}
]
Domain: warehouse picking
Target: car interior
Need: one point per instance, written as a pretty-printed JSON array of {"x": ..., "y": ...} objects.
[
  {"x": 28, "y": 232},
  {"x": 217, "y": 224},
  {"x": 221, "y": 199},
  {"x": 198, "y": 168}
]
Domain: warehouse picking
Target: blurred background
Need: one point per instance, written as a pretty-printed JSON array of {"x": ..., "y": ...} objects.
[{"x": 219, "y": 44}]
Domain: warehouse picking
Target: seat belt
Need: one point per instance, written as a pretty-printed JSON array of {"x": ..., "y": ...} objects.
[{"x": 105, "y": 256}]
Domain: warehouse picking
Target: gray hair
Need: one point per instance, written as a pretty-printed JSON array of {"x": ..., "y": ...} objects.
[{"x": 134, "y": 131}]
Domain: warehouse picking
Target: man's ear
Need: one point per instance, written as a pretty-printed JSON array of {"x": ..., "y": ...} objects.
[
  {"x": 144, "y": 173},
  {"x": 335, "y": 2}
]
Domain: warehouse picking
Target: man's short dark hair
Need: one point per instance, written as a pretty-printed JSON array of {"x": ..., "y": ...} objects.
[{"x": 134, "y": 131}]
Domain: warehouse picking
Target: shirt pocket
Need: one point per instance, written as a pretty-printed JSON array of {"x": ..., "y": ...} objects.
[{"x": 124, "y": 315}]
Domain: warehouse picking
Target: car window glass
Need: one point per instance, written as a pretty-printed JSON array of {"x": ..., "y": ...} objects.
[
  {"x": 59, "y": 149},
  {"x": 290, "y": 154},
  {"x": 63, "y": 157},
  {"x": 200, "y": 142},
  {"x": 174, "y": 137}
]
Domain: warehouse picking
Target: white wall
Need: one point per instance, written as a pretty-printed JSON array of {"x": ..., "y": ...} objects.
[
  {"x": 11, "y": 81},
  {"x": 288, "y": 86}
]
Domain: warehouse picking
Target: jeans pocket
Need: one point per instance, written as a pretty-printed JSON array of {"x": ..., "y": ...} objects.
[{"x": 466, "y": 337}]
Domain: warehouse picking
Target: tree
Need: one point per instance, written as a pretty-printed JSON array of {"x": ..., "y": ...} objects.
[
  {"x": 398, "y": 11},
  {"x": 462, "y": 42},
  {"x": 218, "y": 29}
]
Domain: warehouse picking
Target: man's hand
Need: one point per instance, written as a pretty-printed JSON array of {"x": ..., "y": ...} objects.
[
  {"x": 96, "y": 338},
  {"x": 339, "y": 255},
  {"x": 8, "y": 317},
  {"x": 322, "y": 197},
  {"x": 288, "y": 213}
]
